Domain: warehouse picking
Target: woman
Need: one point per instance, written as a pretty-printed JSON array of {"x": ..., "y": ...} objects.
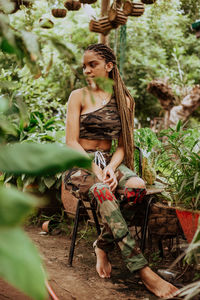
[{"x": 90, "y": 128}]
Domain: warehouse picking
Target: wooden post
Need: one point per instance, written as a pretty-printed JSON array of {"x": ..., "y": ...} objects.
[{"x": 104, "y": 11}]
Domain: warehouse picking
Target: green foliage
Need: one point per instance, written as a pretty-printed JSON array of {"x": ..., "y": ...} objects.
[
  {"x": 159, "y": 45},
  {"x": 146, "y": 139},
  {"x": 105, "y": 84},
  {"x": 21, "y": 204},
  {"x": 40, "y": 67},
  {"x": 179, "y": 163},
  {"x": 36, "y": 159},
  {"x": 20, "y": 262},
  {"x": 191, "y": 8}
]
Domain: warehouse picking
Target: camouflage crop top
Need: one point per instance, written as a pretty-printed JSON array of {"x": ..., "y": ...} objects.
[{"x": 101, "y": 124}]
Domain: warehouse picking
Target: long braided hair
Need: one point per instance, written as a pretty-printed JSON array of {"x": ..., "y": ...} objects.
[{"x": 121, "y": 93}]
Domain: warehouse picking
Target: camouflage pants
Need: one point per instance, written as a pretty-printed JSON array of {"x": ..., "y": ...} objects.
[{"x": 114, "y": 209}]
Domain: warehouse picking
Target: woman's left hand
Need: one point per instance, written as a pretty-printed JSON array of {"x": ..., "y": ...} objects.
[{"x": 109, "y": 177}]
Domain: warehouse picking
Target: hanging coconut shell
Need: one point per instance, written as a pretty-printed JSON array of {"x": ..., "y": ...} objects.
[
  {"x": 102, "y": 25},
  {"x": 148, "y": 1},
  {"x": 116, "y": 17},
  {"x": 46, "y": 23},
  {"x": 106, "y": 25},
  {"x": 18, "y": 3},
  {"x": 59, "y": 12},
  {"x": 94, "y": 26},
  {"x": 133, "y": 9},
  {"x": 118, "y": 3},
  {"x": 88, "y": 1},
  {"x": 72, "y": 5}
]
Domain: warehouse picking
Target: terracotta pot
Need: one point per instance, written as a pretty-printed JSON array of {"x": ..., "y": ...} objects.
[
  {"x": 48, "y": 226},
  {"x": 189, "y": 222}
]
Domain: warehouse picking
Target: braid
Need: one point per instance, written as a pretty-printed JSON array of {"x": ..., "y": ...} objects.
[{"x": 121, "y": 94}]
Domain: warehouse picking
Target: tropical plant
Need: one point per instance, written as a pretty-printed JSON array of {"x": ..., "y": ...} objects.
[{"x": 179, "y": 163}]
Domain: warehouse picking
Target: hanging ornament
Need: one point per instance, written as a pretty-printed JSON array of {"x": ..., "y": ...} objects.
[
  {"x": 72, "y": 5},
  {"x": 119, "y": 3},
  {"x": 148, "y": 1},
  {"x": 17, "y": 4},
  {"x": 135, "y": 9},
  {"x": 46, "y": 23},
  {"x": 88, "y": 1},
  {"x": 105, "y": 25},
  {"x": 102, "y": 25},
  {"x": 116, "y": 16},
  {"x": 94, "y": 26},
  {"x": 58, "y": 12}
]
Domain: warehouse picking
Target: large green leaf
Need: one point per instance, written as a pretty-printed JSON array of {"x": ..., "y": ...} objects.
[
  {"x": 3, "y": 104},
  {"x": 20, "y": 263},
  {"x": 14, "y": 206},
  {"x": 31, "y": 43},
  {"x": 36, "y": 159}
]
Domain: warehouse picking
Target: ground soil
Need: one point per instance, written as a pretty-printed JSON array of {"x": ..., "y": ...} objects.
[{"x": 81, "y": 281}]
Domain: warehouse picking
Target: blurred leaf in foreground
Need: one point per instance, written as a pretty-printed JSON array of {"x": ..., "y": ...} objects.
[{"x": 36, "y": 159}]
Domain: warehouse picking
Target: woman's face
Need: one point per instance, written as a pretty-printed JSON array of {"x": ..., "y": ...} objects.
[{"x": 95, "y": 66}]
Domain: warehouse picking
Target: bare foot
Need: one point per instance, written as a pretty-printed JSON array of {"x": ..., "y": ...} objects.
[
  {"x": 156, "y": 284},
  {"x": 103, "y": 265}
]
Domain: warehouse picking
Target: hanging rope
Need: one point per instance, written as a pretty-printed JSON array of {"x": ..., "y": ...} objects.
[{"x": 122, "y": 46}]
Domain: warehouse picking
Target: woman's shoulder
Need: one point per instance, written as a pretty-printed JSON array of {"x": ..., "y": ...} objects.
[
  {"x": 78, "y": 92},
  {"x": 76, "y": 96}
]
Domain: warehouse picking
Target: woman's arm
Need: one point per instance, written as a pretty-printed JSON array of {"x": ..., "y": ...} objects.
[
  {"x": 109, "y": 171},
  {"x": 72, "y": 121},
  {"x": 73, "y": 127},
  {"x": 118, "y": 156}
]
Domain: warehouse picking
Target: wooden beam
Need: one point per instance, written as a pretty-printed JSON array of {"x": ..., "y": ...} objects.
[{"x": 104, "y": 12}]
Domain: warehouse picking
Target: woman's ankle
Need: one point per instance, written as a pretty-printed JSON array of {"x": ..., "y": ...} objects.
[{"x": 100, "y": 252}]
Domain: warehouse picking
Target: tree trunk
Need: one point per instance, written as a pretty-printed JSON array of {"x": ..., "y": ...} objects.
[{"x": 166, "y": 119}]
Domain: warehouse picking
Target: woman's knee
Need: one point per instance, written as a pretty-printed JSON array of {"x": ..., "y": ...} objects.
[{"x": 135, "y": 182}]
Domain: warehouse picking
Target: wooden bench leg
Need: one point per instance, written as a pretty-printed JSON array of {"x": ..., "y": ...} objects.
[{"x": 76, "y": 221}]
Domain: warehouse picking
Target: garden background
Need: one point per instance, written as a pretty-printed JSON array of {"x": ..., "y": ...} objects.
[{"x": 40, "y": 63}]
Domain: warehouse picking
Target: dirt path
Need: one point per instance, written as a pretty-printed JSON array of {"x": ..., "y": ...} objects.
[{"x": 81, "y": 281}]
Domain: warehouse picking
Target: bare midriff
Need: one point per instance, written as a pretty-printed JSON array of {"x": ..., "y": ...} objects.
[{"x": 87, "y": 144}]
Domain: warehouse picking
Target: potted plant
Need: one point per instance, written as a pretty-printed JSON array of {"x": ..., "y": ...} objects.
[{"x": 179, "y": 163}]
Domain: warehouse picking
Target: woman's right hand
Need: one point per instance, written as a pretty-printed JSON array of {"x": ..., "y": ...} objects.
[{"x": 97, "y": 171}]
